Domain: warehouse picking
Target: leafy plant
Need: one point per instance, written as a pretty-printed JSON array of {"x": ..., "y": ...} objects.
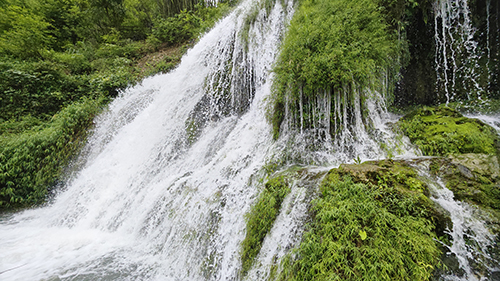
[
  {"x": 261, "y": 218},
  {"x": 32, "y": 160},
  {"x": 357, "y": 233}
]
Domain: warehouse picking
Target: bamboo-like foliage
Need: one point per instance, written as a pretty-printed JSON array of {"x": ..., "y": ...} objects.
[
  {"x": 169, "y": 8},
  {"x": 332, "y": 46},
  {"x": 261, "y": 218},
  {"x": 33, "y": 160},
  {"x": 367, "y": 232}
]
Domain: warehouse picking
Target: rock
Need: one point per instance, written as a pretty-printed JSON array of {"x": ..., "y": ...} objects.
[
  {"x": 482, "y": 164},
  {"x": 465, "y": 172}
]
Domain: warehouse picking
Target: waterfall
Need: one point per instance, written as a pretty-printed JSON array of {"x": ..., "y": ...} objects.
[
  {"x": 471, "y": 241},
  {"x": 161, "y": 189},
  {"x": 360, "y": 122},
  {"x": 457, "y": 55}
]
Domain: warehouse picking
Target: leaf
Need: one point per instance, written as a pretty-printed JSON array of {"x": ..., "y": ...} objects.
[{"x": 363, "y": 235}]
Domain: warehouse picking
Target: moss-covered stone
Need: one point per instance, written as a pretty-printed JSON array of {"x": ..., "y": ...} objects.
[
  {"x": 439, "y": 131},
  {"x": 473, "y": 178},
  {"x": 365, "y": 225}
]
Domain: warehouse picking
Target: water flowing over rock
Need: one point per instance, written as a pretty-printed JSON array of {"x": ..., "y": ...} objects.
[{"x": 162, "y": 189}]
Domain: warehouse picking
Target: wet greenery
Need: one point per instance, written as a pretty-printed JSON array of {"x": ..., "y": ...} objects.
[
  {"x": 340, "y": 47},
  {"x": 261, "y": 218},
  {"x": 439, "y": 131},
  {"x": 371, "y": 222}
]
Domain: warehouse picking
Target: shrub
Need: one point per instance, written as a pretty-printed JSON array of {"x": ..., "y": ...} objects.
[
  {"x": 32, "y": 161},
  {"x": 173, "y": 30},
  {"x": 355, "y": 236}
]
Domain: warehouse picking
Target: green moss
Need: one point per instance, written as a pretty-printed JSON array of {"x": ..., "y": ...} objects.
[
  {"x": 261, "y": 218},
  {"x": 371, "y": 222},
  {"x": 474, "y": 178},
  {"x": 441, "y": 130}
]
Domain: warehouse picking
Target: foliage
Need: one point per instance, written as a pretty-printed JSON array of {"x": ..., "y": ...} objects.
[
  {"x": 330, "y": 46},
  {"x": 177, "y": 29},
  {"x": 60, "y": 60},
  {"x": 23, "y": 33},
  {"x": 261, "y": 218},
  {"x": 362, "y": 231},
  {"x": 41, "y": 89},
  {"x": 32, "y": 160},
  {"x": 441, "y": 130},
  {"x": 186, "y": 25}
]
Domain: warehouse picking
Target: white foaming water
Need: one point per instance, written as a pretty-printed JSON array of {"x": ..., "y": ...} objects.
[
  {"x": 147, "y": 204},
  {"x": 357, "y": 137},
  {"x": 161, "y": 190}
]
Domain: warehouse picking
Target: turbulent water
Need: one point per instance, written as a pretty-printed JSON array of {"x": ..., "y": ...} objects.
[
  {"x": 162, "y": 188},
  {"x": 168, "y": 175}
]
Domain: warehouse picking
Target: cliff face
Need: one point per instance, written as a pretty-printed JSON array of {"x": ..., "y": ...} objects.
[{"x": 454, "y": 53}]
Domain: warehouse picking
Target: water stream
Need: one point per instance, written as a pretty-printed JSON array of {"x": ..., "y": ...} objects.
[
  {"x": 457, "y": 55},
  {"x": 161, "y": 190}
]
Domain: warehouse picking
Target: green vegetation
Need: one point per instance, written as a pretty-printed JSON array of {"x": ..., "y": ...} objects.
[
  {"x": 62, "y": 61},
  {"x": 261, "y": 218},
  {"x": 370, "y": 223},
  {"x": 341, "y": 47},
  {"x": 472, "y": 177},
  {"x": 33, "y": 154},
  {"x": 441, "y": 130}
]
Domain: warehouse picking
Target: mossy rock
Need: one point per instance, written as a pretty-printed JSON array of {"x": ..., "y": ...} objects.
[
  {"x": 366, "y": 222},
  {"x": 440, "y": 131},
  {"x": 474, "y": 178}
]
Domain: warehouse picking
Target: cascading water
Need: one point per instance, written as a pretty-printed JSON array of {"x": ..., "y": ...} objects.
[
  {"x": 307, "y": 134},
  {"x": 457, "y": 55},
  {"x": 468, "y": 256},
  {"x": 169, "y": 173},
  {"x": 161, "y": 190}
]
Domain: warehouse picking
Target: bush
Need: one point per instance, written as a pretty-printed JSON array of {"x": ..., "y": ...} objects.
[
  {"x": 33, "y": 160},
  {"x": 355, "y": 236},
  {"x": 178, "y": 29},
  {"x": 33, "y": 88}
]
